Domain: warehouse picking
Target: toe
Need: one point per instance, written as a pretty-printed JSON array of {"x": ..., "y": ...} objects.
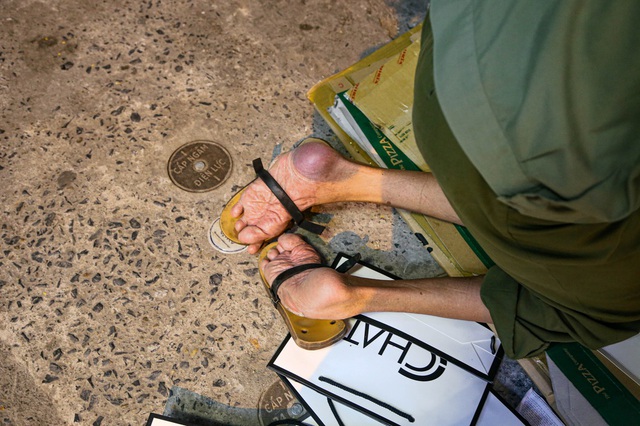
[
  {"x": 237, "y": 210},
  {"x": 239, "y": 225},
  {"x": 290, "y": 241},
  {"x": 273, "y": 253}
]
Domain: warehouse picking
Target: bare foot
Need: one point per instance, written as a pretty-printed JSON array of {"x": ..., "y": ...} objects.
[
  {"x": 309, "y": 174},
  {"x": 317, "y": 293}
]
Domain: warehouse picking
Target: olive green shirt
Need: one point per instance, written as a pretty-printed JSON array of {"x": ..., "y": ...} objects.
[
  {"x": 547, "y": 94},
  {"x": 567, "y": 266}
]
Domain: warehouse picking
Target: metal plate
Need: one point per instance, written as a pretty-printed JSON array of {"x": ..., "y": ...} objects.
[
  {"x": 279, "y": 403},
  {"x": 199, "y": 166},
  {"x": 220, "y": 242}
]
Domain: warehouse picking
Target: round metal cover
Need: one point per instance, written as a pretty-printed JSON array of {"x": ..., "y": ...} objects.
[
  {"x": 279, "y": 403},
  {"x": 220, "y": 242},
  {"x": 199, "y": 166}
]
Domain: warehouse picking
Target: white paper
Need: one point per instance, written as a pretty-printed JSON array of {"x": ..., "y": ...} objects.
[
  {"x": 536, "y": 410},
  {"x": 443, "y": 394},
  {"x": 154, "y": 420},
  {"x": 347, "y": 123},
  {"x": 466, "y": 342},
  {"x": 397, "y": 369}
]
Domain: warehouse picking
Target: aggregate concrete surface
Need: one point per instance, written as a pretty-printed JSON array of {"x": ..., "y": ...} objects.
[{"x": 110, "y": 293}]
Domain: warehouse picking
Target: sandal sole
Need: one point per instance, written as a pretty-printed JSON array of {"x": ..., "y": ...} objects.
[{"x": 307, "y": 333}]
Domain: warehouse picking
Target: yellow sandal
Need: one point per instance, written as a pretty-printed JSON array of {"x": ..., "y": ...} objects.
[
  {"x": 307, "y": 333},
  {"x": 228, "y": 222}
]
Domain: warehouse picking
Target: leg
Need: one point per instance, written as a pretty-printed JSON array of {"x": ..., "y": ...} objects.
[
  {"x": 325, "y": 293},
  {"x": 316, "y": 293},
  {"x": 316, "y": 174}
]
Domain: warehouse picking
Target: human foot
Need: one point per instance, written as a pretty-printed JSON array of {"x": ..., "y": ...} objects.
[
  {"x": 310, "y": 175},
  {"x": 308, "y": 333},
  {"x": 314, "y": 293}
]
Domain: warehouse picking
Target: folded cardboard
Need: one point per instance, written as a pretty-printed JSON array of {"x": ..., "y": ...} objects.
[
  {"x": 450, "y": 245},
  {"x": 587, "y": 392}
]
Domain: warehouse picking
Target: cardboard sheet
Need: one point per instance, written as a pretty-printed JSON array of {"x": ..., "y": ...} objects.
[
  {"x": 396, "y": 369},
  {"x": 469, "y": 345},
  {"x": 373, "y": 384}
]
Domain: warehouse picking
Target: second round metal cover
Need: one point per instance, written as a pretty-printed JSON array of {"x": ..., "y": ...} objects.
[{"x": 199, "y": 166}]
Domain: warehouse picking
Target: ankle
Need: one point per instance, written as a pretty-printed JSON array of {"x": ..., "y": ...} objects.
[
  {"x": 331, "y": 173},
  {"x": 316, "y": 161}
]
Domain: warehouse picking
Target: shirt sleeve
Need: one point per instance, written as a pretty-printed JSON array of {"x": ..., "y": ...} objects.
[
  {"x": 526, "y": 322},
  {"x": 555, "y": 281},
  {"x": 543, "y": 99}
]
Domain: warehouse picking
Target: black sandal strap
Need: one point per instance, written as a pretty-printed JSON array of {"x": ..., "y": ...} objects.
[
  {"x": 284, "y": 199},
  {"x": 285, "y": 275},
  {"x": 288, "y": 274}
]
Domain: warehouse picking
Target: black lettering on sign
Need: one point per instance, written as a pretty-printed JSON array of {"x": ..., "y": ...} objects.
[
  {"x": 426, "y": 373},
  {"x": 434, "y": 365}
]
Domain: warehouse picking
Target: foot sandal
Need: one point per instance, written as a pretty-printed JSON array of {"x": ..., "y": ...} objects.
[
  {"x": 285, "y": 200},
  {"x": 227, "y": 222},
  {"x": 307, "y": 333}
]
